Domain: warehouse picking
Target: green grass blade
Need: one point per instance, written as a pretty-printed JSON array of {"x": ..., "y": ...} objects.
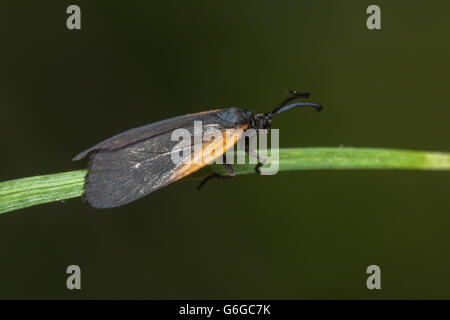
[
  {"x": 22, "y": 193},
  {"x": 26, "y": 192}
]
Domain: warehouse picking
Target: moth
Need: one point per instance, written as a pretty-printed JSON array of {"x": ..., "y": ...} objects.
[{"x": 137, "y": 162}]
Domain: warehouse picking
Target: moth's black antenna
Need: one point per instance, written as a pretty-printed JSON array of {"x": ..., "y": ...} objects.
[
  {"x": 299, "y": 104},
  {"x": 294, "y": 95}
]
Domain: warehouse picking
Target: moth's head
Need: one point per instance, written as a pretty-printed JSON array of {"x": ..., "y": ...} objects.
[{"x": 262, "y": 120}]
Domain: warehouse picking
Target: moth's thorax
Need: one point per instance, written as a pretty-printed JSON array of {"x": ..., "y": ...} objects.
[
  {"x": 260, "y": 121},
  {"x": 246, "y": 118}
]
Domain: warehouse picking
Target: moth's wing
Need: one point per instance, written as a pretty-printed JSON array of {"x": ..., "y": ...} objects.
[
  {"x": 154, "y": 129},
  {"x": 117, "y": 177}
]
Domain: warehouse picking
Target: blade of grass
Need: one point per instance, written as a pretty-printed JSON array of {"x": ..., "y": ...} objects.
[{"x": 26, "y": 192}]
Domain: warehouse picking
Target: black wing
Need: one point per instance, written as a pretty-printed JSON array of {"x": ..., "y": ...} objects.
[
  {"x": 148, "y": 131},
  {"x": 116, "y": 177},
  {"x": 119, "y": 175}
]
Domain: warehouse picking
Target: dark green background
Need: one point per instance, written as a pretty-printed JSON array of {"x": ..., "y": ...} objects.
[{"x": 294, "y": 235}]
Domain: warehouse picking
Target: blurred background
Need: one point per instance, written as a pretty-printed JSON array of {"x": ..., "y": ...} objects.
[{"x": 296, "y": 235}]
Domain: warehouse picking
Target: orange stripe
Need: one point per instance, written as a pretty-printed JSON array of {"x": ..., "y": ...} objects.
[{"x": 230, "y": 138}]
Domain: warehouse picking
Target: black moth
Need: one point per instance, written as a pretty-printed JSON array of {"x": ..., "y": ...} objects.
[{"x": 137, "y": 162}]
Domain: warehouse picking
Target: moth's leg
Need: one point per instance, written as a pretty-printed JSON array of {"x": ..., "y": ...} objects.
[
  {"x": 229, "y": 169},
  {"x": 257, "y": 156},
  {"x": 258, "y": 165},
  {"x": 261, "y": 160}
]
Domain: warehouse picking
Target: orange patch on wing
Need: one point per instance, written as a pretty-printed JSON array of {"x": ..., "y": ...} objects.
[{"x": 229, "y": 139}]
